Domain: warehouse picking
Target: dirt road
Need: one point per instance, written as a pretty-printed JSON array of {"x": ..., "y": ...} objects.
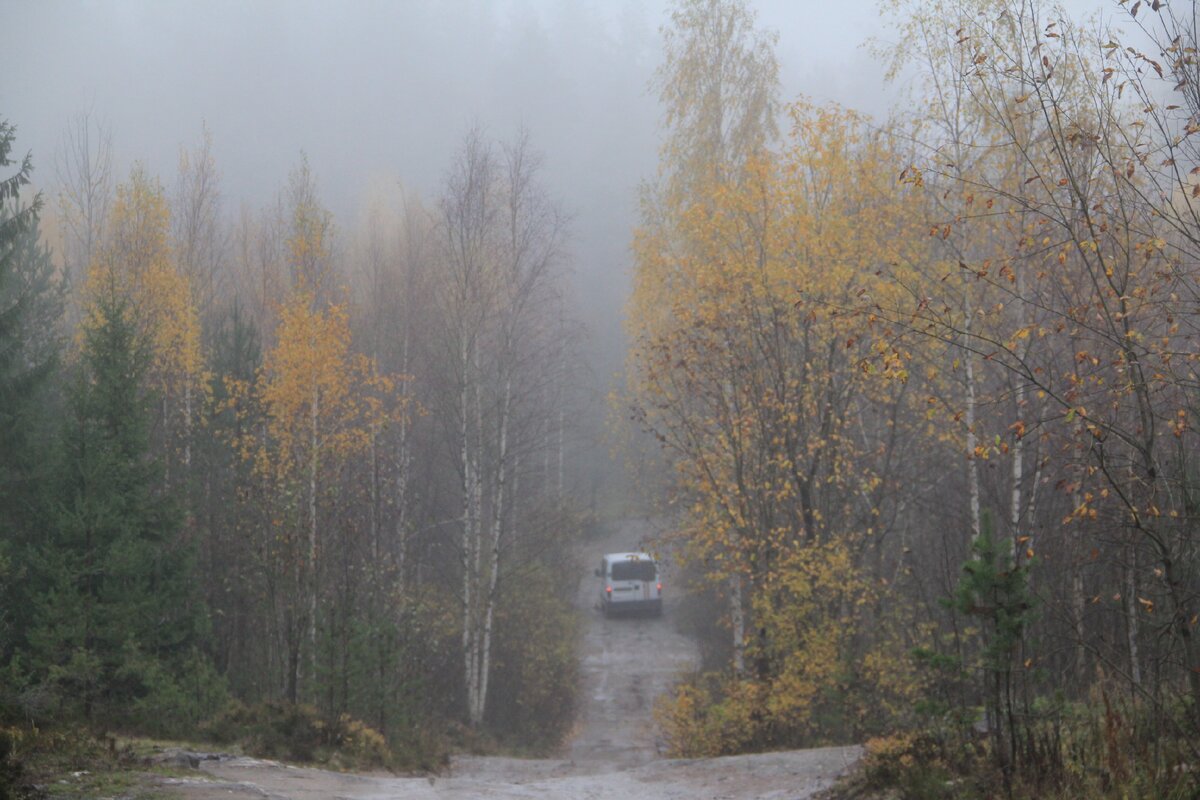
[
  {"x": 627, "y": 663},
  {"x": 615, "y": 752}
]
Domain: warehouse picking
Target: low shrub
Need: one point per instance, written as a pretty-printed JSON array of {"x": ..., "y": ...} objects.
[
  {"x": 171, "y": 701},
  {"x": 535, "y": 670},
  {"x": 11, "y": 768},
  {"x": 711, "y": 715},
  {"x": 1105, "y": 749},
  {"x": 917, "y": 764},
  {"x": 294, "y": 732},
  {"x": 70, "y": 760}
]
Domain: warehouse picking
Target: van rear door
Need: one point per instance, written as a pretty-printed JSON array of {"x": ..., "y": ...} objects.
[{"x": 634, "y": 581}]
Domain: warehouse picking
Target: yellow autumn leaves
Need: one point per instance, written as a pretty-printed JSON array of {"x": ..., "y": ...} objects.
[
  {"x": 755, "y": 362},
  {"x": 321, "y": 401},
  {"x": 314, "y": 390},
  {"x": 136, "y": 265}
]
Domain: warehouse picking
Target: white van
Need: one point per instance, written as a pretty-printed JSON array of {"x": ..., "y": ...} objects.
[{"x": 629, "y": 582}]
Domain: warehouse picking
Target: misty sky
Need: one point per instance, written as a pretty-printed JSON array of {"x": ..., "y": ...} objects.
[{"x": 383, "y": 92}]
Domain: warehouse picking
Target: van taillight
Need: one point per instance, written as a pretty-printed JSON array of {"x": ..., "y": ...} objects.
[
  {"x": 608, "y": 589},
  {"x": 660, "y": 586}
]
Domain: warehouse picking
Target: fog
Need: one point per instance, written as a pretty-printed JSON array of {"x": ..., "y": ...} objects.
[
  {"x": 389, "y": 498},
  {"x": 380, "y": 93},
  {"x": 383, "y": 92}
]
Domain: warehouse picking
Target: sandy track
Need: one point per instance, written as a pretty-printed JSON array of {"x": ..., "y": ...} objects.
[
  {"x": 627, "y": 663},
  {"x": 615, "y": 753}
]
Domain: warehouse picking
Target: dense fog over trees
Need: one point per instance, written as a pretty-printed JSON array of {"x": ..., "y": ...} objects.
[
  {"x": 334, "y": 342},
  {"x": 377, "y": 94}
]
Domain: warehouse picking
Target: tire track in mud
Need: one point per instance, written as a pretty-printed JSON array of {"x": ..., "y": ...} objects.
[{"x": 627, "y": 663}]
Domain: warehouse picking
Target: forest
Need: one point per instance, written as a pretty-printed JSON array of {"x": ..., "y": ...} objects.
[
  {"x": 929, "y": 389},
  {"x": 914, "y": 398},
  {"x": 264, "y": 460}
]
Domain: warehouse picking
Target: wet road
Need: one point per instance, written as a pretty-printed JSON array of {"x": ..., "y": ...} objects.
[{"x": 627, "y": 663}]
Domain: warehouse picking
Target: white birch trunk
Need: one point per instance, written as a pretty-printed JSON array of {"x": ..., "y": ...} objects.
[
  {"x": 187, "y": 426},
  {"x": 737, "y": 619},
  {"x": 312, "y": 529},
  {"x": 496, "y": 538},
  {"x": 486, "y": 645},
  {"x": 1018, "y": 477},
  {"x": 476, "y": 577},
  {"x": 468, "y": 494},
  {"x": 474, "y": 597},
  {"x": 972, "y": 438},
  {"x": 499, "y": 509},
  {"x": 402, "y": 477}
]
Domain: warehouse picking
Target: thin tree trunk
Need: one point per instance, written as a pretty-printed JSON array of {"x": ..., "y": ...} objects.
[
  {"x": 972, "y": 439},
  {"x": 737, "y": 618},
  {"x": 1131, "y": 618},
  {"x": 1077, "y": 584},
  {"x": 561, "y": 450},
  {"x": 373, "y": 521},
  {"x": 187, "y": 427},
  {"x": 312, "y": 531},
  {"x": 498, "y": 509},
  {"x": 1018, "y": 478},
  {"x": 1079, "y": 603},
  {"x": 402, "y": 476},
  {"x": 165, "y": 412},
  {"x": 468, "y": 494},
  {"x": 562, "y": 371}
]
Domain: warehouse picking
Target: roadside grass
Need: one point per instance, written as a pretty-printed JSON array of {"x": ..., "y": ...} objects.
[
  {"x": 119, "y": 783},
  {"x": 70, "y": 762},
  {"x": 1101, "y": 752},
  {"x": 67, "y": 760}
]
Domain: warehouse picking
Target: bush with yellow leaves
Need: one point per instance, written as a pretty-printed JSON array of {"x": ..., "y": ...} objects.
[{"x": 822, "y": 665}]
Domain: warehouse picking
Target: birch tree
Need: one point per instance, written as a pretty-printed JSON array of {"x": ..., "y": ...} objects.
[
  {"x": 198, "y": 234},
  {"x": 1083, "y": 202},
  {"x": 83, "y": 167},
  {"x": 718, "y": 86},
  {"x": 501, "y": 247},
  {"x": 138, "y": 260},
  {"x": 317, "y": 400},
  {"x": 766, "y": 396}
]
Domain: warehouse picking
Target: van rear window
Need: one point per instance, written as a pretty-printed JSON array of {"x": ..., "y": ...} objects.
[{"x": 633, "y": 571}]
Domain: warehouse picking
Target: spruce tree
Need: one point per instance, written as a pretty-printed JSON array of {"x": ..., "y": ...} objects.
[
  {"x": 119, "y": 610},
  {"x": 227, "y": 547},
  {"x": 31, "y": 305},
  {"x": 994, "y": 590}
]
